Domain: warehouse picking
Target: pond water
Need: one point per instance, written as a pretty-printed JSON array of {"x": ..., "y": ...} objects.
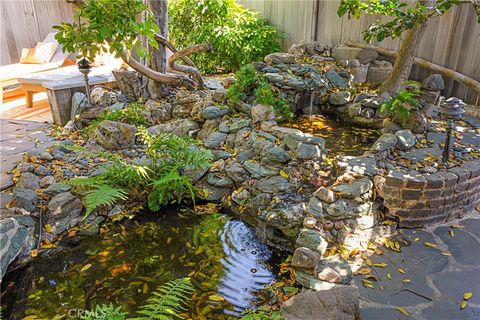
[
  {"x": 340, "y": 138},
  {"x": 124, "y": 264}
]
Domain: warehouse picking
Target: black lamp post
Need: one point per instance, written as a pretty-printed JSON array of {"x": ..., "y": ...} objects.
[
  {"x": 84, "y": 68},
  {"x": 452, "y": 109}
]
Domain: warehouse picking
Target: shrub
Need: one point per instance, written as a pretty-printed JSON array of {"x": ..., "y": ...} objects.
[
  {"x": 402, "y": 103},
  {"x": 248, "y": 80},
  {"x": 238, "y": 35}
]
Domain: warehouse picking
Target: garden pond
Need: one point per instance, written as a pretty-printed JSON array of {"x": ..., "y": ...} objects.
[{"x": 229, "y": 267}]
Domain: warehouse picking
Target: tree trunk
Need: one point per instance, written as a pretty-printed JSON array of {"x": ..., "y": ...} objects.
[
  {"x": 158, "y": 57},
  {"x": 406, "y": 56}
]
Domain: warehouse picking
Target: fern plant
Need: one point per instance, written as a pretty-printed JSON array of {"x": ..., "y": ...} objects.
[
  {"x": 167, "y": 301},
  {"x": 104, "y": 312},
  {"x": 161, "y": 179},
  {"x": 98, "y": 193}
]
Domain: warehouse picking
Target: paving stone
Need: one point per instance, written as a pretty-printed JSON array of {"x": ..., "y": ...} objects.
[
  {"x": 395, "y": 292},
  {"x": 448, "y": 310},
  {"x": 453, "y": 284},
  {"x": 462, "y": 246},
  {"x": 380, "y": 314},
  {"x": 472, "y": 226}
]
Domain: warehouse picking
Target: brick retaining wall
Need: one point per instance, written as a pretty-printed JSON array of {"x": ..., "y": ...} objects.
[{"x": 418, "y": 199}]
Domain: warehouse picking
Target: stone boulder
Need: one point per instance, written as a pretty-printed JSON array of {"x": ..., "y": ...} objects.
[
  {"x": 433, "y": 82},
  {"x": 215, "y": 140},
  {"x": 16, "y": 240},
  {"x": 181, "y": 127},
  {"x": 28, "y": 180},
  {"x": 367, "y": 55},
  {"x": 114, "y": 135},
  {"x": 279, "y": 57},
  {"x": 214, "y": 112},
  {"x": 334, "y": 269},
  {"x": 159, "y": 112},
  {"x": 340, "y": 98},
  {"x": 312, "y": 239},
  {"x": 336, "y": 80},
  {"x": 337, "y": 303},
  {"x": 64, "y": 212},
  {"x": 386, "y": 142},
  {"x": 305, "y": 258},
  {"x": 405, "y": 139},
  {"x": 261, "y": 112},
  {"x": 102, "y": 97},
  {"x": 353, "y": 189},
  {"x": 379, "y": 71},
  {"x": 286, "y": 218},
  {"x": 25, "y": 198},
  {"x": 416, "y": 122}
]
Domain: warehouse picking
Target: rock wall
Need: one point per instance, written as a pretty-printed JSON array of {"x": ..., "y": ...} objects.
[{"x": 419, "y": 199}]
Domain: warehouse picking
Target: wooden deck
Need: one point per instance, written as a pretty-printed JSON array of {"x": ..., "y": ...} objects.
[{"x": 14, "y": 107}]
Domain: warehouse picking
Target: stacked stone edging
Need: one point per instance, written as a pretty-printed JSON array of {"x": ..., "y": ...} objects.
[{"x": 418, "y": 199}]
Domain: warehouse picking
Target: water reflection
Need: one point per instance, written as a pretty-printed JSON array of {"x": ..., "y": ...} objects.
[{"x": 244, "y": 268}]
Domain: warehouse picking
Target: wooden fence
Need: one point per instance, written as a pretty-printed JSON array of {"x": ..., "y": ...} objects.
[{"x": 452, "y": 40}]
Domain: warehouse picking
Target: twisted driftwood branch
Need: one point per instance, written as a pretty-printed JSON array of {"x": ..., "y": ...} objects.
[
  {"x": 189, "y": 69},
  {"x": 174, "y": 80}
]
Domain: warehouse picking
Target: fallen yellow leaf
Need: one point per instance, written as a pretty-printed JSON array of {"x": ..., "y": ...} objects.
[
  {"x": 389, "y": 277},
  {"x": 284, "y": 174},
  {"x": 86, "y": 267},
  {"x": 402, "y": 311},
  {"x": 467, "y": 295},
  {"x": 429, "y": 244},
  {"x": 463, "y": 304},
  {"x": 216, "y": 297},
  {"x": 406, "y": 281},
  {"x": 48, "y": 228},
  {"x": 380, "y": 265},
  {"x": 452, "y": 234},
  {"x": 401, "y": 270}
]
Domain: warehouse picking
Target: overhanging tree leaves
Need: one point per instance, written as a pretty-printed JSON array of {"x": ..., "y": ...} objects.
[
  {"x": 115, "y": 27},
  {"x": 409, "y": 17}
]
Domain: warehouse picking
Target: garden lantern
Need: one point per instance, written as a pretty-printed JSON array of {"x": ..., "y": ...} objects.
[
  {"x": 451, "y": 110},
  {"x": 84, "y": 68}
]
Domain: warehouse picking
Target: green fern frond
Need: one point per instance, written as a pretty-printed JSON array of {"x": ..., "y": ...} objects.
[
  {"x": 85, "y": 182},
  {"x": 103, "y": 195},
  {"x": 104, "y": 312},
  {"x": 167, "y": 187},
  {"x": 167, "y": 301}
]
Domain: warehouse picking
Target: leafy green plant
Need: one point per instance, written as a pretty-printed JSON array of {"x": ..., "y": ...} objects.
[
  {"x": 131, "y": 114},
  {"x": 239, "y": 36},
  {"x": 261, "y": 313},
  {"x": 161, "y": 179},
  {"x": 247, "y": 80},
  {"x": 402, "y": 103},
  {"x": 166, "y": 302},
  {"x": 108, "y": 26},
  {"x": 104, "y": 312}
]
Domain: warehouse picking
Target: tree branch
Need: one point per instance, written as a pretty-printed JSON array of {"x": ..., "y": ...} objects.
[
  {"x": 174, "y": 80},
  {"x": 188, "y": 69}
]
